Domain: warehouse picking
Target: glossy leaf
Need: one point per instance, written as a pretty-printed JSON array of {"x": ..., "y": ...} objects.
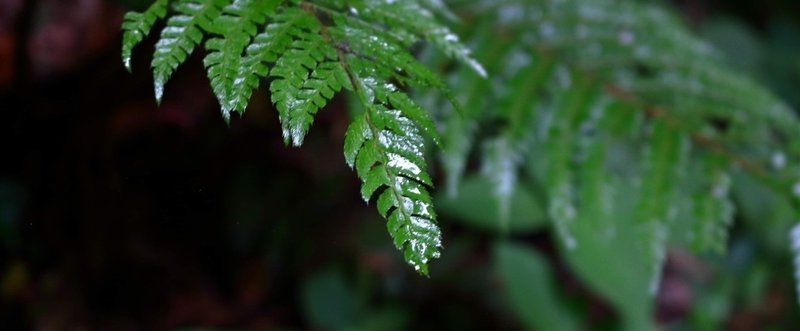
[{"x": 386, "y": 149}]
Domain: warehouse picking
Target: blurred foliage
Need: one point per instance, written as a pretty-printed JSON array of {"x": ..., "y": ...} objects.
[{"x": 117, "y": 215}]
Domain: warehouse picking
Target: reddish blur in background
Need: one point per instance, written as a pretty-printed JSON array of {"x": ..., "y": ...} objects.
[{"x": 116, "y": 214}]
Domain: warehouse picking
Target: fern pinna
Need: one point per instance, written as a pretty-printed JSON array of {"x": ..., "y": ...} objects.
[{"x": 310, "y": 51}]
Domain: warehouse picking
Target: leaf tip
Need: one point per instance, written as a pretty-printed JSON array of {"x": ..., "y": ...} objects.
[
  {"x": 126, "y": 61},
  {"x": 226, "y": 115},
  {"x": 158, "y": 89},
  {"x": 478, "y": 68}
]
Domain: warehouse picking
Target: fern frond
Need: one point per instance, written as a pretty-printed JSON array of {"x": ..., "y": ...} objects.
[
  {"x": 309, "y": 51},
  {"x": 234, "y": 29},
  {"x": 385, "y": 147},
  {"x": 136, "y": 26},
  {"x": 180, "y": 36}
]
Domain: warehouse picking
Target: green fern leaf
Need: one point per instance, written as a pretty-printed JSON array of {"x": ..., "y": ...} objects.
[
  {"x": 234, "y": 29},
  {"x": 386, "y": 149},
  {"x": 137, "y": 25},
  {"x": 179, "y": 37}
]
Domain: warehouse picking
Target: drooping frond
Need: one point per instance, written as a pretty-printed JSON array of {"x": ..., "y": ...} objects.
[
  {"x": 309, "y": 51},
  {"x": 386, "y": 149},
  {"x": 136, "y": 26}
]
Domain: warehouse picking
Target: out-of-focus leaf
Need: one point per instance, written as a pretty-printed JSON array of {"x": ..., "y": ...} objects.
[
  {"x": 328, "y": 301},
  {"x": 610, "y": 262},
  {"x": 529, "y": 289},
  {"x": 474, "y": 206}
]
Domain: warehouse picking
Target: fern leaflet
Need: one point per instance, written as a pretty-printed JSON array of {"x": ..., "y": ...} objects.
[
  {"x": 137, "y": 25},
  {"x": 234, "y": 29},
  {"x": 385, "y": 147},
  {"x": 179, "y": 37}
]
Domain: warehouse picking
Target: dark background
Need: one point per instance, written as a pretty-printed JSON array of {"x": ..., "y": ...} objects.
[{"x": 118, "y": 214}]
